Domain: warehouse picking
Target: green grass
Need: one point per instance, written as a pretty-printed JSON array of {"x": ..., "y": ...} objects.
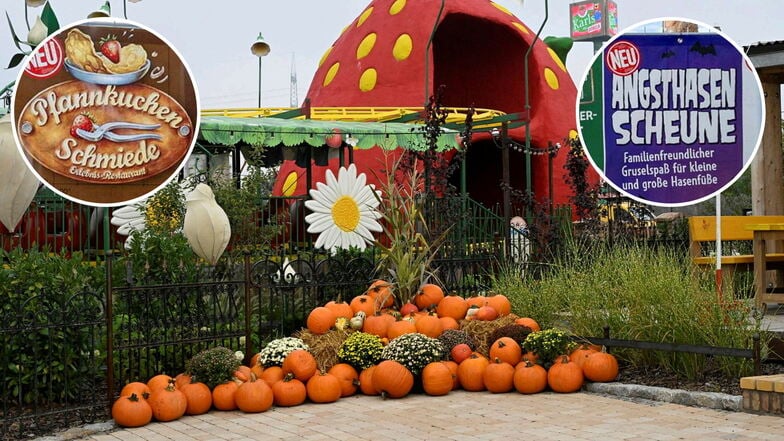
[{"x": 641, "y": 294}]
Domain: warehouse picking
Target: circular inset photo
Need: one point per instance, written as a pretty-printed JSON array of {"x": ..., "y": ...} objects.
[
  {"x": 105, "y": 112},
  {"x": 670, "y": 117}
]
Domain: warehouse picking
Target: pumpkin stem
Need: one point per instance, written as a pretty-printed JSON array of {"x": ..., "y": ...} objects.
[
  {"x": 133, "y": 397},
  {"x": 171, "y": 387},
  {"x": 501, "y": 344},
  {"x": 288, "y": 377},
  {"x": 528, "y": 363}
]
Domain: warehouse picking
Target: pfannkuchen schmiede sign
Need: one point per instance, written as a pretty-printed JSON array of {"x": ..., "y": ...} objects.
[{"x": 671, "y": 119}]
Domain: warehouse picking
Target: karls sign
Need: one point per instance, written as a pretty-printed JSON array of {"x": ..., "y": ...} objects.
[
  {"x": 671, "y": 119},
  {"x": 593, "y": 20},
  {"x": 105, "y": 112}
]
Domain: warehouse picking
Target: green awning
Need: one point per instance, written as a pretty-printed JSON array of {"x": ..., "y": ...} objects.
[{"x": 274, "y": 132}]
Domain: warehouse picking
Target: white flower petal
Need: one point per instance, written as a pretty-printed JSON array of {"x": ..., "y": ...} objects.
[{"x": 320, "y": 225}]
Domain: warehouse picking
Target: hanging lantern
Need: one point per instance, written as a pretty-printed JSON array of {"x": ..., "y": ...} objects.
[
  {"x": 206, "y": 225},
  {"x": 19, "y": 182}
]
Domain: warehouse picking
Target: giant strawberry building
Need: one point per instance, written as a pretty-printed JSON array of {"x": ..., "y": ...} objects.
[{"x": 387, "y": 62}]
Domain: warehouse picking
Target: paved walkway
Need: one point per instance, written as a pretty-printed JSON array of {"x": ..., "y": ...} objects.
[{"x": 468, "y": 416}]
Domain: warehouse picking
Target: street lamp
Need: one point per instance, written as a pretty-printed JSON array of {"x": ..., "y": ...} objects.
[{"x": 260, "y": 48}]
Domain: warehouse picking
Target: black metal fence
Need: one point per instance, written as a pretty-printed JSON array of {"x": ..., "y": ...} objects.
[{"x": 52, "y": 369}]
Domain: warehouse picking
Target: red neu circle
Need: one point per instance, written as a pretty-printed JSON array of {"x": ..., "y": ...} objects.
[
  {"x": 622, "y": 58},
  {"x": 46, "y": 60}
]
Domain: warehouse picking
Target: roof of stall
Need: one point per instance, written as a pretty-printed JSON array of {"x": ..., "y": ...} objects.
[{"x": 274, "y": 132}]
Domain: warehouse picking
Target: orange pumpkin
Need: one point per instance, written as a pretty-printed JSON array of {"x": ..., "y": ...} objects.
[
  {"x": 449, "y": 323},
  {"x": 428, "y": 296},
  {"x": 181, "y": 380},
  {"x": 460, "y": 352},
  {"x": 223, "y": 396},
  {"x": 529, "y": 322},
  {"x": 320, "y": 320},
  {"x": 601, "y": 367},
  {"x": 254, "y": 361},
  {"x": 168, "y": 404},
  {"x": 530, "y": 357},
  {"x": 272, "y": 375},
  {"x": 363, "y": 303},
  {"x": 131, "y": 411},
  {"x": 452, "y": 306},
  {"x": 289, "y": 392},
  {"x": 499, "y": 376},
  {"x": 253, "y": 396},
  {"x": 453, "y": 369},
  {"x": 476, "y": 301},
  {"x": 408, "y": 309},
  {"x": 530, "y": 378},
  {"x": 377, "y": 324},
  {"x": 257, "y": 370},
  {"x": 437, "y": 379},
  {"x": 500, "y": 303},
  {"x": 580, "y": 354},
  {"x": 565, "y": 376},
  {"x": 340, "y": 309},
  {"x": 242, "y": 373},
  {"x": 160, "y": 381},
  {"x": 348, "y": 376},
  {"x": 392, "y": 379},
  {"x": 366, "y": 381},
  {"x": 301, "y": 363},
  {"x": 323, "y": 388},
  {"x": 486, "y": 313},
  {"x": 507, "y": 350},
  {"x": 429, "y": 325},
  {"x": 470, "y": 373},
  {"x": 381, "y": 292},
  {"x": 199, "y": 398},
  {"x": 137, "y": 387},
  {"x": 400, "y": 327}
]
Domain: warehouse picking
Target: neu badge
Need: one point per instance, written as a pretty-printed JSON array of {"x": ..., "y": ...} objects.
[{"x": 623, "y": 58}]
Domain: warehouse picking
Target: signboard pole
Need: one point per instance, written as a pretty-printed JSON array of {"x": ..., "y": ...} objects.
[{"x": 718, "y": 247}]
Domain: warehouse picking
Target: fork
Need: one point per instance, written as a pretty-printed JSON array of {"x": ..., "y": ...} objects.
[{"x": 105, "y": 131}]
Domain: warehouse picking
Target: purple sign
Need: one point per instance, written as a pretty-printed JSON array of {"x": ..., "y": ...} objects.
[{"x": 680, "y": 116}]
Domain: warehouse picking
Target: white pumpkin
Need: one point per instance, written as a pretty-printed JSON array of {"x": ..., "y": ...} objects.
[
  {"x": 19, "y": 183},
  {"x": 206, "y": 225}
]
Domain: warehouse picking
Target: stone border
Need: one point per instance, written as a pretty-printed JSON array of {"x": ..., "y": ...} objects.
[{"x": 711, "y": 400}]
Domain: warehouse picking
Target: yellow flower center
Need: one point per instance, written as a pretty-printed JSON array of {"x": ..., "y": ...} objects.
[{"x": 345, "y": 213}]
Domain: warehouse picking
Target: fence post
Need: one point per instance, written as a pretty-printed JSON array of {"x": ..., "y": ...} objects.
[
  {"x": 756, "y": 353},
  {"x": 606, "y": 332},
  {"x": 248, "y": 342},
  {"x": 109, "y": 329}
]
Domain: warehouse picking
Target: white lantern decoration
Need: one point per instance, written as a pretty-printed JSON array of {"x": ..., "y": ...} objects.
[
  {"x": 19, "y": 182},
  {"x": 206, "y": 225}
]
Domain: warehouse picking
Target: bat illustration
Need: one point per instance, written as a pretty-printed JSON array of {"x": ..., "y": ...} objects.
[
  {"x": 703, "y": 50},
  {"x": 668, "y": 53}
]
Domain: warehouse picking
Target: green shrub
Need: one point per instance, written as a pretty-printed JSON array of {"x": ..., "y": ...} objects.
[
  {"x": 641, "y": 294},
  {"x": 213, "y": 366},
  {"x": 49, "y": 350}
]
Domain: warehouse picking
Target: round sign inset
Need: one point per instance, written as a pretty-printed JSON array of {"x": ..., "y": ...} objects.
[
  {"x": 105, "y": 112},
  {"x": 671, "y": 119}
]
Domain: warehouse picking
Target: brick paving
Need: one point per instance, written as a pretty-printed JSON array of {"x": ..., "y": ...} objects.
[{"x": 468, "y": 416}]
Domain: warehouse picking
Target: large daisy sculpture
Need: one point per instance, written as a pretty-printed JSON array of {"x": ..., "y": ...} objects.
[{"x": 344, "y": 210}]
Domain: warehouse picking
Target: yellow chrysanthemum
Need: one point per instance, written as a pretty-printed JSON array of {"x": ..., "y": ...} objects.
[{"x": 344, "y": 210}]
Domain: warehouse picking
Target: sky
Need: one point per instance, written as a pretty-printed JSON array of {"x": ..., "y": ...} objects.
[{"x": 214, "y": 38}]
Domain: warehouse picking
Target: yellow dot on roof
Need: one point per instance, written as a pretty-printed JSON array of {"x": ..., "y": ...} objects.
[
  {"x": 326, "y": 54},
  {"x": 557, "y": 59},
  {"x": 403, "y": 47},
  {"x": 364, "y": 16},
  {"x": 501, "y": 8},
  {"x": 551, "y": 78},
  {"x": 333, "y": 70},
  {"x": 289, "y": 185},
  {"x": 367, "y": 81},
  {"x": 572, "y": 134},
  {"x": 397, "y": 7},
  {"x": 366, "y": 45},
  {"x": 521, "y": 27}
]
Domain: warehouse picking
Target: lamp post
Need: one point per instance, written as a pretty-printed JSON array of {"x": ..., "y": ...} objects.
[{"x": 260, "y": 48}]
